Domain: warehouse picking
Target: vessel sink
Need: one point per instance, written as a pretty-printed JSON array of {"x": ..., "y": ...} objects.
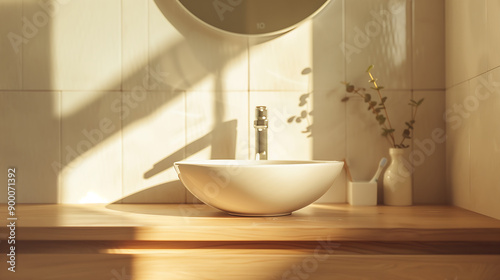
[{"x": 258, "y": 187}]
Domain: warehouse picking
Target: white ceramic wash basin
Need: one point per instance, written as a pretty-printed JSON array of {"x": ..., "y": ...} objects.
[{"x": 258, "y": 188}]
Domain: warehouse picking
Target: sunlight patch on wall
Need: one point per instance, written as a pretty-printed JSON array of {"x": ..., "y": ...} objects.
[
  {"x": 153, "y": 139},
  {"x": 85, "y": 45},
  {"x": 399, "y": 25},
  {"x": 94, "y": 175},
  {"x": 278, "y": 64},
  {"x": 91, "y": 197}
]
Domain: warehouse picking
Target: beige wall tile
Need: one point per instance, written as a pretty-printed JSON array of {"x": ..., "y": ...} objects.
[
  {"x": 493, "y": 21},
  {"x": 379, "y": 33},
  {"x": 77, "y": 48},
  {"x": 337, "y": 193},
  {"x": 329, "y": 136},
  {"x": 37, "y": 54},
  {"x": 328, "y": 63},
  {"x": 91, "y": 148},
  {"x": 277, "y": 64},
  {"x": 217, "y": 125},
  {"x": 466, "y": 40},
  {"x": 135, "y": 71},
  {"x": 153, "y": 139},
  {"x": 189, "y": 56},
  {"x": 30, "y": 124},
  {"x": 482, "y": 103},
  {"x": 328, "y": 66},
  {"x": 458, "y": 146},
  {"x": 11, "y": 43},
  {"x": 472, "y": 39},
  {"x": 429, "y": 149},
  {"x": 428, "y": 45}
]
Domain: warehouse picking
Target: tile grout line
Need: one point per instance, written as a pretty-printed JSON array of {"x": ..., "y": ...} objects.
[
  {"x": 345, "y": 94},
  {"x": 412, "y": 85},
  {"x": 471, "y": 78},
  {"x": 59, "y": 175},
  {"x": 122, "y": 147},
  {"x": 121, "y": 111},
  {"x": 185, "y": 139},
  {"x": 248, "y": 101},
  {"x": 22, "y": 50}
]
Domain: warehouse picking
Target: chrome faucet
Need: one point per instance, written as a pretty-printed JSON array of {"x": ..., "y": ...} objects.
[{"x": 261, "y": 125}]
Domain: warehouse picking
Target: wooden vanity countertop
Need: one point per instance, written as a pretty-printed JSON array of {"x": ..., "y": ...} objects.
[{"x": 198, "y": 222}]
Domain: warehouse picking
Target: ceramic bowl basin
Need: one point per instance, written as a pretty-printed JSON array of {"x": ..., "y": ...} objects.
[{"x": 258, "y": 188}]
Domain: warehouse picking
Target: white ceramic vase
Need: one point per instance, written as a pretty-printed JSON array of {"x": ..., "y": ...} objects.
[{"x": 397, "y": 180}]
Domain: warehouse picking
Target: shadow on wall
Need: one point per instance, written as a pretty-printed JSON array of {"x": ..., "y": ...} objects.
[
  {"x": 166, "y": 72},
  {"x": 224, "y": 131},
  {"x": 22, "y": 110},
  {"x": 71, "y": 136},
  {"x": 202, "y": 60}
]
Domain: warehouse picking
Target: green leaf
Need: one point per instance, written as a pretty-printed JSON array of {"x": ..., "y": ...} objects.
[
  {"x": 349, "y": 88},
  {"x": 381, "y": 119},
  {"x": 420, "y": 101},
  {"x": 368, "y": 97},
  {"x": 387, "y": 131},
  {"x": 377, "y": 88},
  {"x": 384, "y": 99},
  {"x": 406, "y": 133},
  {"x": 373, "y": 81},
  {"x": 291, "y": 119},
  {"x": 409, "y": 125},
  {"x": 373, "y": 104},
  {"x": 369, "y": 68},
  {"x": 345, "y": 99}
]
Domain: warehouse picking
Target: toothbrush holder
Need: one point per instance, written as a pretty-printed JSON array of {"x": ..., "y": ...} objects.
[{"x": 362, "y": 193}]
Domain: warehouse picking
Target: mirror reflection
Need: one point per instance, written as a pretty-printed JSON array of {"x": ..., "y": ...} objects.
[{"x": 253, "y": 17}]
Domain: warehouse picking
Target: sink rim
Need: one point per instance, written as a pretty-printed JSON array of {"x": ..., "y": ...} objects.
[{"x": 238, "y": 162}]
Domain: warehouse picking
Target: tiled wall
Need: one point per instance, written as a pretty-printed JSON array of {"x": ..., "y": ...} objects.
[
  {"x": 99, "y": 98},
  {"x": 473, "y": 103}
]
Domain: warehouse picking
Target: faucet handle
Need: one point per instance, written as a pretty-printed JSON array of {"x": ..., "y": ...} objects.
[
  {"x": 261, "y": 112},
  {"x": 261, "y": 116}
]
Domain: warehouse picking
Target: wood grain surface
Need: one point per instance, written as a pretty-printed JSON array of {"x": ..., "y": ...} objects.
[
  {"x": 161, "y": 222},
  {"x": 130, "y": 242}
]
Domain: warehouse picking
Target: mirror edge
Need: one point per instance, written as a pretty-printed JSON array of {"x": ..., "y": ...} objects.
[{"x": 260, "y": 35}]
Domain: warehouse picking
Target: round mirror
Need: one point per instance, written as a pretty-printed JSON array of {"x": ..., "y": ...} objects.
[{"x": 253, "y": 17}]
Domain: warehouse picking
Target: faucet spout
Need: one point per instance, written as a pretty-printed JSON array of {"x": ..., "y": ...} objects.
[{"x": 260, "y": 125}]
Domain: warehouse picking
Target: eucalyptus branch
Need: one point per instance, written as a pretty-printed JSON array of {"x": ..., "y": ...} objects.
[{"x": 378, "y": 107}]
